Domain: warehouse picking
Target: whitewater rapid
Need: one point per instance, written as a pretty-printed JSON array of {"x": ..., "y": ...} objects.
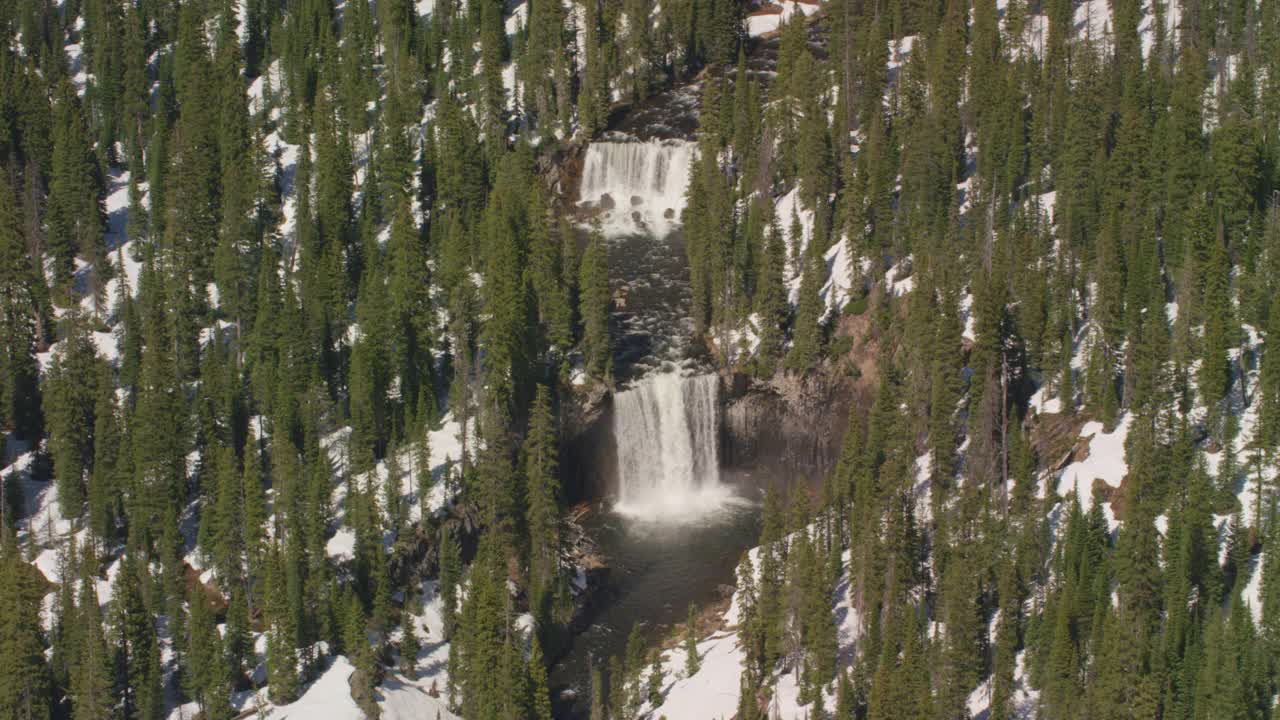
[{"x": 638, "y": 186}]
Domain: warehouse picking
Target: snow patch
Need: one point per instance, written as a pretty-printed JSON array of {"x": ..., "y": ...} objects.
[
  {"x": 1106, "y": 462},
  {"x": 770, "y": 19},
  {"x": 329, "y": 697},
  {"x": 713, "y": 690}
]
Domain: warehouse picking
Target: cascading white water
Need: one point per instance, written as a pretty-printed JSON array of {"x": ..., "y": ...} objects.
[
  {"x": 666, "y": 429},
  {"x": 645, "y": 181}
]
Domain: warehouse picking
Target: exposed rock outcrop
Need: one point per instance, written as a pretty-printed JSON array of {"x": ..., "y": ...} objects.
[{"x": 787, "y": 428}]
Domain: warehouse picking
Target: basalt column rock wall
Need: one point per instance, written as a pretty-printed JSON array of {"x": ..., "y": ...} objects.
[{"x": 788, "y": 429}]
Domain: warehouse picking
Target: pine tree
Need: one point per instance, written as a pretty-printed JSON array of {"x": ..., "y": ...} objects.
[
  {"x": 19, "y": 373},
  {"x": 821, "y": 643},
  {"x": 1006, "y": 646},
  {"x": 410, "y": 644},
  {"x": 807, "y": 336},
  {"x": 545, "y": 68},
  {"x": 422, "y": 467},
  {"x": 70, "y": 400},
  {"x": 106, "y": 481},
  {"x": 282, "y": 657},
  {"x": 815, "y": 163},
  {"x": 593, "y": 96},
  {"x": 538, "y": 675},
  {"x": 91, "y": 681},
  {"x": 505, "y": 334},
  {"x": 655, "y": 680},
  {"x": 26, "y": 692},
  {"x": 450, "y": 571},
  {"x": 255, "y": 510},
  {"x": 225, "y": 513},
  {"x": 75, "y": 215},
  {"x": 393, "y": 504},
  {"x": 594, "y": 305},
  {"x": 137, "y": 648},
  {"x": 546, "y": 272},
  {"x": 370, "y": 372},
  {"x": 1215, "y": 371},
  {"x": 355, "y": 642},
  {"x": 771, "y": 297},
  {"x": 483, "y": 631},
  {"x": 633, "y": 667},
  {"x": 691, "y": 659},
  {"x": 192, "y": 206},
  {"x": 772, "y": 576},
  {"x": 598, "y": 707},
  {"x": 206, "y": 671},
  {"x": 237, "y": 639},
  {"x": 617, "y": 681},
  {"x": 543, "y": 498},
  {"x": 750, "y": 625},
  {"x": 459, "y": 163},
  {"x": 64, "y": 635}
]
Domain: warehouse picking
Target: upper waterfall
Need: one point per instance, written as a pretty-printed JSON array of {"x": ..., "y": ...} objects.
[
  {"x": 638, "y": 185},
  {"x": 667, "y": 431}
]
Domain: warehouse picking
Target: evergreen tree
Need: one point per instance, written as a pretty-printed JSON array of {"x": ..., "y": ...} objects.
[
  {"x": 807, "y": 336},
  {"x": 547, "y": 274},
  {"x": 538, "y": 675},
  {"x": 1215, "y": 372},
  {"x": 75, "y": 215},
  {"x": 483, "y": 631},
  {"x": 19, "y": 373},
  {"x": 543, "y": 515},
  {"x": 410, "y": 644},
  {"x": 26, "y": 691},
  {"x": 771, "y": 298},
  {"x": 70, "y": 400},
  {"x": 91, "y": 688},
  {"x": 192, "y": 206},
  {"x": 139, "y": 679},
  {"x": 545, "y": 68},
  {"x": 450, "y": 570},
  {"x": 207, "y": 677},
  {"x": 691, "y": 659},
  {"x": 282, "y": 656},
  {"x": 593, "y": 95},
  {"x": 593, "y": 300},
  {"x": 598, "y": 708},
  {"x": 655, "y": 680}
]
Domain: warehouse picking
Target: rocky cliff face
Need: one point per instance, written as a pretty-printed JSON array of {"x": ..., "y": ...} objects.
[
  {"x": 791, "y": 427},
  {"x": 787, "y": 429},
  {"x": 588, "y": 467}
]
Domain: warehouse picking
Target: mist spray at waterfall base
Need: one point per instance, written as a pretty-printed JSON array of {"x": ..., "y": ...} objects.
[{"x": 667, "y": 432}]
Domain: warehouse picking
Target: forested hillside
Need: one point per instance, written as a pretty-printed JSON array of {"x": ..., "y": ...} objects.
[{"x": 297, "y": 298}]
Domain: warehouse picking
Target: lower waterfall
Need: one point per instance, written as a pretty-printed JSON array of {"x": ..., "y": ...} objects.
[{"x": 667, "y": 430}]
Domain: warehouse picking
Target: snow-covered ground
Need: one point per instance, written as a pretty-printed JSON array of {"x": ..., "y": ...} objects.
[
  {"x": 712, "y": 692},
  {"x": 446, "y": 457},
  {"x": 790, "y": 214},
  {"x": 1106, "y": 462},
  {"x": 1023, "y": 699},
  {"x": 772, "y": 16},
  {"x": 417, "y": 696}
]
